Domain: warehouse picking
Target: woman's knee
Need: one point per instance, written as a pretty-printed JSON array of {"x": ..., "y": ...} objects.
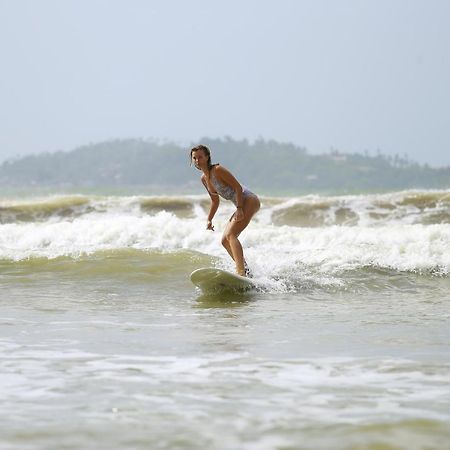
[{"x": 225, "y": 240}]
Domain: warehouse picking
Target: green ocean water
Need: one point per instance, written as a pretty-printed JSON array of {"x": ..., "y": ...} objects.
[{"x": 105, "y": 343}]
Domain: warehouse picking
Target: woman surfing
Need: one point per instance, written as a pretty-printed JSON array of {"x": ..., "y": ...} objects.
[{"x": 218, "y": 181}]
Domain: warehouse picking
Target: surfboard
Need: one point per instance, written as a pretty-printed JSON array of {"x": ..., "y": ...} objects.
[{"x": 211, "y": 280}]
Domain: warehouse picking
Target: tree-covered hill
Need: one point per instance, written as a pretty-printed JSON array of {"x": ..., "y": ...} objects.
[{"x": 264, "y": 165}]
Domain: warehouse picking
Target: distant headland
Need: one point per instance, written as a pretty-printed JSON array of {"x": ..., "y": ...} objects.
[{"x": 265, "y": 165}]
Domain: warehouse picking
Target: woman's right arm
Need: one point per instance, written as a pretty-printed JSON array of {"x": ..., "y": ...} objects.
[{"x": 214, "y": 205}]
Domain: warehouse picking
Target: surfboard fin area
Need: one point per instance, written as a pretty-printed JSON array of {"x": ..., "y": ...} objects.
[{"x": 211, "y": 280}]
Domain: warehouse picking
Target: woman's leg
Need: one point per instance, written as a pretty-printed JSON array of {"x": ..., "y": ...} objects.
[
  {"x": 226, "y": 244},
  {"x": 233, "y": 229},
  {"x": 228, "y": 249}
]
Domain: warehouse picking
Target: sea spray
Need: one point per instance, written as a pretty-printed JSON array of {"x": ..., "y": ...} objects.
[{"x": 282, "y": 256}]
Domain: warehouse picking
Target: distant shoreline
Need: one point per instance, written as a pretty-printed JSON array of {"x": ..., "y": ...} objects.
[{"x": 135, "y": 165}]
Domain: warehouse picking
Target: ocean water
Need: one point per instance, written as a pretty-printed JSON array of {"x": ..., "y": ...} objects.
[{"x": 105, "y": 343}]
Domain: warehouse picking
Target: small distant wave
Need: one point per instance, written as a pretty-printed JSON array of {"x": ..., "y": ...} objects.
[
  {"x": 43, "y": 209},
  {"x": 408, "y": 207},
  {"x": 63, "y": 208}
]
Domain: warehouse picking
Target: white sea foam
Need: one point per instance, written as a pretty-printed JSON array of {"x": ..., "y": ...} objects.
[
  {"x": 271, "y": 250},
  {"x": 321, "y": 386}
]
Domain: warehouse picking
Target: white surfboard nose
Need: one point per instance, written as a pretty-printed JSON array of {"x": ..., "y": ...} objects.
[{"x": 210, "y": 279}]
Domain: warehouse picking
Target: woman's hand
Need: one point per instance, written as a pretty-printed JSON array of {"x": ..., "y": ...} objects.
[
  {"x": 209, "y": 225},
  {"x": 239, "y": 215}
]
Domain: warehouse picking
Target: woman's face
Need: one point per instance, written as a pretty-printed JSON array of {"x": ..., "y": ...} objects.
[{"x": 200, "y": 159}]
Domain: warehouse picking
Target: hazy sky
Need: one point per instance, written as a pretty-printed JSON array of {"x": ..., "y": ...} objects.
[{"x": 349, "y": 74}]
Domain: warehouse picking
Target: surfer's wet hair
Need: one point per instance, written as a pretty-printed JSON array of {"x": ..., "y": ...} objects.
[{"x": 205, "y": 150}]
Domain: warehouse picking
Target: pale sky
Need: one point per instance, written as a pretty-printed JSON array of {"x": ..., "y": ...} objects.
[{"x": 353, "y": 75}]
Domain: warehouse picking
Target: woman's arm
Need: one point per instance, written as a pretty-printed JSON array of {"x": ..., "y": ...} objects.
[{"x": 214, "y": 205}]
